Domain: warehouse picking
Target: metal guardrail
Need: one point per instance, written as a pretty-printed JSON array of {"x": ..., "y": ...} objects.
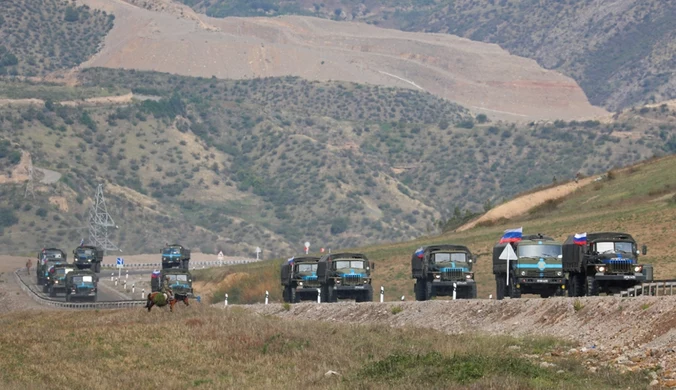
[
  {"x": 75, "y": 305},
  {"x": 655, "y": 288},
  {"x": 192, "y": 264}
]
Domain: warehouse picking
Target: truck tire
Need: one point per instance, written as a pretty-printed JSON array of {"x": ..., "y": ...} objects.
[
  {"x": 293, "y": 297},
  {"x": 45, "y": 288},
  {"x": 286, "y": 294},
  {"x": 428, "y": 290},
  {"x": 67, "y": 297},
  {"x": 577, "y": 285},
  {"x": 419, "y": 289},
  {"x": 592, "y": 287},
  {"x": 500, "y": 287},
  {"x": 472, "y": 293},
  {"x": 52, "y": 292},
  {"x": 97, "y": 268},
  {"x": 185, "y": 264},
  {"x": 331, "y": 295}
]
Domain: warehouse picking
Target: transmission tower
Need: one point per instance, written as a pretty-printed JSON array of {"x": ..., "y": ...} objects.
[
  {"x": 29, "y": 184},
  {"x": 99, "y": 223}
]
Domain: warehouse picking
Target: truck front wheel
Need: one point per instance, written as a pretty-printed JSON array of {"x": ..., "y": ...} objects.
[
  {"x": 500, "y": 287},
  {"x": 592, "y": 286},
  {"x": 419, "y": 289}
]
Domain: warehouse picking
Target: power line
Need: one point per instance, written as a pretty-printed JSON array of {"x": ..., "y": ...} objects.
[{"x": 99, "y": 223}]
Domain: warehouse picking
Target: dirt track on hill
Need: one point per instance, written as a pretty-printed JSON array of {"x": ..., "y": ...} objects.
[
  {"x": 480, "y": 76},
  {"x": 632, "y": 333},
  {"x": 523, "y": 204}
]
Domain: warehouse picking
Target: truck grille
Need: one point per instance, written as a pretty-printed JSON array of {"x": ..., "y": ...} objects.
[
  {"x": 620, "y": 266},
  {"x": 451, "y": 274},
  {"x": 352, "y": 280}
]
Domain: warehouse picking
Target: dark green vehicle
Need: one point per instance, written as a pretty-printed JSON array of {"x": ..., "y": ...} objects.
[
  {"x": 175, "y": 256},
  {"x": 299, "y": 279},
  {"x": 536, "y": 270},
  {"x": 345, "y": 276},
  {"x": 604, "y": 262},
  {"x": 439, "y": 269},
  {"x": 56, "y": 278},
  {"x": 88, "y": 257},
  {"x": 46, "y": 258},
  {"x": 81, "y": 285},
  {"x": 180, "y": 282}
]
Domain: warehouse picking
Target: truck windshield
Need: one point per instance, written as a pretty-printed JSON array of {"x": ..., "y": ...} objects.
[
  {"x": 52, "y": 254},
  {"x": 179, "y": 278},
  {"x": 449, "y": 257},
  {"x": 63, "y": 271},
  {"x": 627, "y": 247},
  {"x": 539, "y": 250},
  {"x": 83, "y": 281},
  {"x": 85, "y": 252},
  {"x": 342, "y": 264},
  {"x": 172, "y": 251},
  {"x": 307, "y": 267}
]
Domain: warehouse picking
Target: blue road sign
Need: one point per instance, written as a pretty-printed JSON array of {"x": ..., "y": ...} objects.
[{"x": 120, "y": 262}]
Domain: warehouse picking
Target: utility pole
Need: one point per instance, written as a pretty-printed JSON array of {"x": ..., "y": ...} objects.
[
  {"x": 29, "y": 184},
  {"x": 99, "y": 223}
]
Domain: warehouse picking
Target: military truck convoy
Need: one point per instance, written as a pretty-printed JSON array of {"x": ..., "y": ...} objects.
[
  {"x": 299, "y": 279},
  {"x": 48, "y": 257},
  {"x": 583, "y": 265},
  {"x": 56, "y": 278},
  {"x": 78, "y": 280},
  {"x": 81, "y": 285}
]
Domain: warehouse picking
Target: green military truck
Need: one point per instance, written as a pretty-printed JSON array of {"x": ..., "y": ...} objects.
[
  {"x": 180, "y": 282},
  {"x": 603, "y": 262},
  {"x": 438, "y": 270},
  {"x": 56, "y": 278},
  {"x": 299, "y": 279},
  {"x": 46, "y": 258},
  {"x": 345, "y": 276},
  {"x": 175, "y": 256},
  {"x": 81, "y": 285},
  {"x": 537, "y": 268},
  {"x": 88, "y": 257}
]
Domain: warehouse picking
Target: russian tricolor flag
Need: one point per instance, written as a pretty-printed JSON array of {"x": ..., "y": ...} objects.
[
  {"x": 512, "y": 235},
  {"x": 82, "y": 242},
  {"x": 420, "y": 253},
  {"x": 580, "y": 239}
]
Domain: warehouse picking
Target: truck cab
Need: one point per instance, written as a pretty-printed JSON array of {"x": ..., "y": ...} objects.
[
  {"x": 345, "y": 276},
  {"x": 81, "y": 285},
  {"x": 56, "y": 278},
  {"x": 180, "y": 281},
  {"x": 537, "y": 268},
  {"x": 46, "y": 258},
  {"x": 439, "y": 270},
  {"x": 175, "y": 256},
  {"x": 88, "y": 257},
  {"x": 299, "y": 279},
  {"x": 606, "y": 262}
]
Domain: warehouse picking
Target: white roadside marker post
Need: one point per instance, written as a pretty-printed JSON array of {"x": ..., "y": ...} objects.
[
  {"x": 112, "y": 276},
  {"x": 133, "y": 288},
  {"x": 319, "y": 295},
  {"x": 267, "y": 295},
  {"x": 382, "y": 294},
  {"x": 143, "y": 293},
  {"x": 455, "y": 287},
  {"x": 226, "y": 300}
]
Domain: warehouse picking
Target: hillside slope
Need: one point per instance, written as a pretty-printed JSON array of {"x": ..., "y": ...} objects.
[
  {"x": 640, "y": 200},
  {"x": 40, "y": 37},
  {"x": 620, "y": 52},
  {"x": 479, "y": 76},
  {"x": 275, "y": 162}
]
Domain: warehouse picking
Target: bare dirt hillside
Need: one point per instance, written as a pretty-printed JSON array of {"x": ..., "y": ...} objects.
[
  {"x": 480, "y": 76},
  {"x": 523, "y": 204},
  {"x": 633, "y": 333}
]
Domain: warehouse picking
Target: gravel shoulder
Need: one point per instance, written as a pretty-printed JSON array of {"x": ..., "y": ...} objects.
[{"x": 632, "y": 333}]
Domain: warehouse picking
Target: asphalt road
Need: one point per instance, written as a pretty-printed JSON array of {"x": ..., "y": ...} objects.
[{"x": 105, "y": 293}]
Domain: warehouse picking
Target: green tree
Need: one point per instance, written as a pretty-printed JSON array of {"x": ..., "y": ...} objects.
[{"x": 7, "y": 217}]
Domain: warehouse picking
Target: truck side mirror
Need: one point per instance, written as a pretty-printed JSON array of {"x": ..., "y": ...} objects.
[
  {"x": 373, "y": 266},
  {"x": 644, "y": 249}
]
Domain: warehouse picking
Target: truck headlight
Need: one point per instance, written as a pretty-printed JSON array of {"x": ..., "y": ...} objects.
[
  {"x": 523, "y": 273},
  {"x": 437, "y": 276},
  {"x": 559, "y": 273},
  {"x": 469, "y": 276},
  {"x": 601, "y": 268},
  {"x": 638, "y": 268},
  {"x": 300, "y": 284},
  {"x": 56, "y": 282}
]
